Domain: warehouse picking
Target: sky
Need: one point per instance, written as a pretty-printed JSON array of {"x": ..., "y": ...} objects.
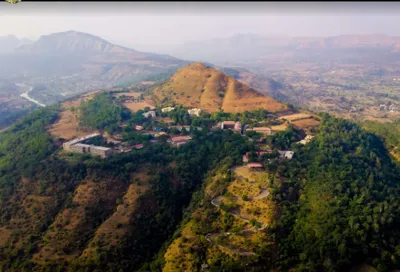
[{"x": 140, "y": 24}]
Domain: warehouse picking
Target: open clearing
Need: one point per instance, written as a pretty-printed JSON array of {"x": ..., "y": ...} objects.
[
  {"x": 132, "y": 106},
  {"x": 130, "y": 94},
  {"x": 67, "y": 126},
  {"x": 296, "y": 116},
  {"x": 305, "y": 123}
]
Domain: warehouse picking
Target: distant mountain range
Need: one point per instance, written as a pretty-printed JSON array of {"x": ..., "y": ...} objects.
[
  {"x": 93, "y": 58},
  {"x": 9, "y": 43},
  {"x": 243, "y": 47}
]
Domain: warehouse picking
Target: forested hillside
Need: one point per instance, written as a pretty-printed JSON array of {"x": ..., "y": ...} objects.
[
  {"x": 341, "y": 205},
  {"x": 333, "y": 205},
  {"x": 389, "y": 131}
]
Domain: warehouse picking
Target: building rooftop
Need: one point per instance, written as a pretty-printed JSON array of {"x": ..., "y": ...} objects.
[
  {"x": 254, "y": 165},
  {"x": 228, "y": 122},
  {"x": 101, "y": 147},
  {"x": 180, "y": 138}
]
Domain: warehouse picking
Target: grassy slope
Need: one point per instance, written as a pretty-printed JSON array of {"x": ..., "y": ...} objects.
[{"x": 199, "y": 86}]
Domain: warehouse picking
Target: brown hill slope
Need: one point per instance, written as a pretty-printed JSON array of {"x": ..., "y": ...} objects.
[{"x": 197, "y": 85}]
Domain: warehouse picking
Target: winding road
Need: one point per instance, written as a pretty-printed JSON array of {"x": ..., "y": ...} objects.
[{"x": 217, "y": 203}]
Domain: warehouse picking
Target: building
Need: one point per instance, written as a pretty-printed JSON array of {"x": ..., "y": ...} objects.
[
  {"x": 138, "y": 128},
  {"x": 138, "y": 146},
  {"x": 167, "y": 109},
  {"x": 179, "y": 140},
  {"x": 286, "y": 155},
  {"x": 306, "y": 140},
  {"x": 263, "y": 130},
  {"x": 195, "y": 112},
  {"x": 101, "y": 151},
  {"x": 236, "y": 126},
  {"x": 160, "y": 134},
  {"x": 255, "y": 166},
  {"x": 149, "y": 114},
  {"x": 130, "y": 148},
  {"x": 77, "y": 146},
  {"x": 246, "y": 157},
  {"x": 67, "y": 145},
  {"x": 228, "y": 124}
]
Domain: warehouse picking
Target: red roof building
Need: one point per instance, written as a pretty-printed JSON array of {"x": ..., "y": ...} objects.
[
  {"x": 179, "y": 140},
  {"x": 255, "y": 165},
  {"x": 246, "y": 157}
]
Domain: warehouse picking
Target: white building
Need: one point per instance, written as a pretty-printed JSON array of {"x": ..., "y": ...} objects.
[
  {"x": 149, "y": 114},
  {"x": 286, "y": 154},
  {"x": 306, "y": 140},
  {"x": 195, "y": 112},
  {"x": 167, "y": 109}
]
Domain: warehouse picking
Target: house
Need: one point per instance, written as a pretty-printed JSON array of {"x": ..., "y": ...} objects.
[
  {"x": 130, "y": 148},
  {"x": 263, "y": 130},
  {"x": 195, "y": 112},
  {"x": 138, "y": 146},
  {"x": 160, "y": 134},
  {"x": 236, "y": 126},
  {"x": 167, "y": 109},
  {"x": 149, "y": 114},
  {"x": 137, "y": 127},
  {"x": 228, "y": 124},
  {"x": 286, "y": 154},
  {"x": 306, "y": 140},
  {"x": 246, "y": 157},
  {"x": 255, "y": 166},
  {"x": 179, "y": 140}
]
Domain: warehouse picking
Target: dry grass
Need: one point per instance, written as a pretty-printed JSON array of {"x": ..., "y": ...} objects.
[
  {"x": 296, "y": 116},
  {"x": 250, "y": 175},
  {"x": 67, "y": 126},
  {"x": 177, "y": 257},
  {"x": 306, "y": 123},
  {"x": 198, "y": 86},
  {"x": 128, "y": 94},
  {"x": 73, "y": 224},
  {"x": 137, "y": 106},
  {"x": 114, "y": 229},
  {"x": 29, "y": 210},
  {"x": 280, "y": 127}
]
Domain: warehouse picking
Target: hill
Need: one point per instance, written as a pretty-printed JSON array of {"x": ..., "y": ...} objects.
[
  {"x": 197, "y": 85},
  {"x": 164, "y": 208},
  {"x": 10, "y": 43},
  {"x": 348, "y": 75},
  {"x": 71, "y": 62}
]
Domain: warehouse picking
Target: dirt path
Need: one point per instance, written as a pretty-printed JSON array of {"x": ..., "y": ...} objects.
[
  {"x": 242, "y": 252},
  {"x": 217, "y": 203},
  {"x": 264, "y": 193}
]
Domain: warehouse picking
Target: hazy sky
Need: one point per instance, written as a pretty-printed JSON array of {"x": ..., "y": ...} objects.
[{"x": 137, "y": 24}]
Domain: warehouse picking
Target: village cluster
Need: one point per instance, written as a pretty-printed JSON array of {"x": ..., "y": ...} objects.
[
  {"x": 387, "y": 107},
  {"x": 78, "y": 145}
]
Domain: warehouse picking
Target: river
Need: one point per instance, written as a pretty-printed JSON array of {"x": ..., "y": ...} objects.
[{"x": 27, "y": 97}]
